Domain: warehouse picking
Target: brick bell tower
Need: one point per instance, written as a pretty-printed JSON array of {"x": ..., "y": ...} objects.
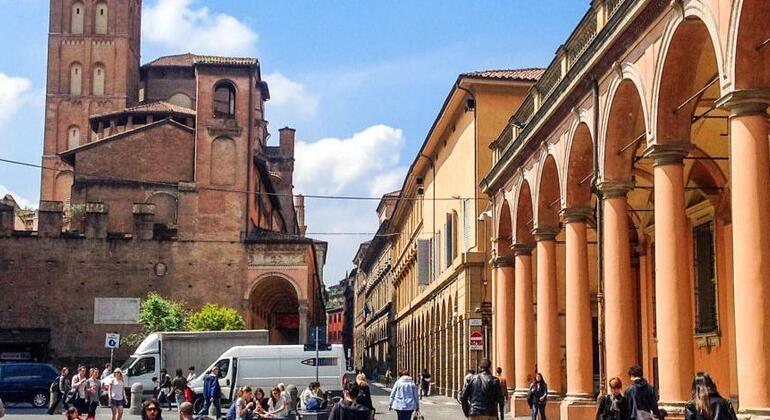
[{"x": 93, "y": 68}]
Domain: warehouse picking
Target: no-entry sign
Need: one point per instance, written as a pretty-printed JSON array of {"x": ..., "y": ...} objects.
[{"x": 477, "y": 341}]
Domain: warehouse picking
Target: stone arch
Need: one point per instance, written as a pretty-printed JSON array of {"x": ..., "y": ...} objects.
[
  {"x": 165, "y": 207},
  {"x": 749, "y": 56},
  {"x": 624, "y": 132},
  {"x": 223, "y": 163},
  {"x": 73, "y": 137},
  {"x": 181, "y": 99},
  {"x": 548, "y": 194},
  {"x": 523, "y": 215},
  {"x": 77, "y": 18},
  {"x": 690, "y": 58},
  {"x": 99, "y": 78},
  {"x": 76, "y": 79},
  {"x": 275, "y": 302},
  {"x": 504, "y": 234},
  {"x": 101, "y": 18},
  {"x": 579, "y": 167}
]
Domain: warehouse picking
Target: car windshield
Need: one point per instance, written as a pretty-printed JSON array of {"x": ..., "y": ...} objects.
[{"x": 128, "y": 364}]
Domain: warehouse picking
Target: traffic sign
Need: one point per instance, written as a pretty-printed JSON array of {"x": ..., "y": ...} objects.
[
  {"x": 321, "y": 347},
  {"x": 112, "y": 341},
  {"x": 476, "y": 341}
]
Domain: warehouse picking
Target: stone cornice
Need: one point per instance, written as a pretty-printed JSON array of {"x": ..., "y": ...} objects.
[
  {"x": 613, "y": 189},
  {"x": 668, "y": 153},
  {"x": 577, "y": 214},
  {"x": 745, "y": 102}
]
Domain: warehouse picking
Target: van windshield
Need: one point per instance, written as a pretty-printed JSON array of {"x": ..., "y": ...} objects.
[{"x": 128, "y": 364}]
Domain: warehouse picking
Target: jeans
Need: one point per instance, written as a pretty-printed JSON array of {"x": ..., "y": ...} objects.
[
  {"x": 541, "y": 409},
  {"x": 404, "y": 414},
  {"x": 179, "y": 398},
  {"x": 54, "y": 403},
  {"x": 217, "y": 406}
]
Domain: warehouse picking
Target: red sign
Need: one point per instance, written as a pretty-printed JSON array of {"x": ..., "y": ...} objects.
[{"x": 476, "y": 341}]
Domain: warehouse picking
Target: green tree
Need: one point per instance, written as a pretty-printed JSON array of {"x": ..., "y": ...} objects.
[
  {"x": 158, "y": 313},
  {"x": 213, "y": 317}
]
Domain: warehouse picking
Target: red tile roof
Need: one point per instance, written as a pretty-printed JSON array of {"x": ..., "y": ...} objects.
[
  {"x": 189, "y": 60},
  {"x": 161, "y": 107},
  {"x": 528, "y": 74}
]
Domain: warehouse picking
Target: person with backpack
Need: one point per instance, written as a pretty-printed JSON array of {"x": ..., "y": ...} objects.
[
  {"x": 706, "y": 403},
  {"x": 482, "y": 396},
  {"x": 641, "y": 397},
  {"x": 58, "y": 390},
  {"x": 164, "y": 388},
  {"x": 614, "y": 405}
]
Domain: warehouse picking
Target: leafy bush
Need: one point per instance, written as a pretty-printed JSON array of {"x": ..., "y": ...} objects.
[{"x": 213, "y": 317}]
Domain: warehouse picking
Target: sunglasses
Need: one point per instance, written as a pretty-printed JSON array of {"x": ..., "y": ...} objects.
[{"x": 153, "y": 409}]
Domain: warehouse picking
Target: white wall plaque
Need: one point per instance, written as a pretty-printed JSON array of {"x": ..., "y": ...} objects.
[{"x": 116, "y": 310}]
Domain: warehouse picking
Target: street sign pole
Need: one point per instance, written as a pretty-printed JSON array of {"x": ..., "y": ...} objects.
[
  {"x": 317, "y": 361},
  {"x": 112, "y": 353}
]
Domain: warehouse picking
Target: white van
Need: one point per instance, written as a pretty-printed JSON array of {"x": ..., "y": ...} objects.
[{"x": 266, "y": 366}]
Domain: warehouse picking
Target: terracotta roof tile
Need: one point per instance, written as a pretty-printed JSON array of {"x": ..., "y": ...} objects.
[
  {"x": 152, "y": 107},
  {"x": 189, "y": 60},
  {"x": 527, "y": 74}
]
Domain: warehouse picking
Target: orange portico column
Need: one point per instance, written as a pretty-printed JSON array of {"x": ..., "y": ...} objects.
[
  {"x": 673, "y": 301},
  {"x": 750, "y": 195},
  {"x": 579, "y": 401},
  {"x": 619, "y": 329},
  {"x": 504, "y": 317},
  {"x": 524, "y": 328},
  {"x": 548, "y": 343}
]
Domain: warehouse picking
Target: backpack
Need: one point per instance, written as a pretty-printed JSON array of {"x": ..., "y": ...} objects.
[
  {"x": 231, "y": 411},
  {"x": 54, "y": 388},
  {"x": 313, "y": 404}
]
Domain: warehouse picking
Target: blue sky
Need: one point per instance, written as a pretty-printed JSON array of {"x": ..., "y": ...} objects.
[{"x": 361, "y": 81}]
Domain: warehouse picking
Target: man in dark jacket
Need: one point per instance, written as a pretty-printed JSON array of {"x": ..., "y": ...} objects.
[
  {"x": 482, "y": 395},
  {"x": 348, "y": 408},
  {"x": 641, "y": 397},
  {"x": 59, "y": 390},
  {"x": 212, "y": 393}
]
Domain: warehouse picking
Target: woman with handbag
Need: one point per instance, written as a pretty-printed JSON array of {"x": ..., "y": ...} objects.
[
  {"x": 537, "y": 396},
  {"x": 404, "y": 397}
]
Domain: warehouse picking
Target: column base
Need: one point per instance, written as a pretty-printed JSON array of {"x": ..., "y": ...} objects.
[
  {"x": 674, "y": 409},
  {"x": 553, "y": 407},
  {"x": 519, "y": 405},
  {"x": 578, "y": 407},
  {"x": 754, "y": 414}
]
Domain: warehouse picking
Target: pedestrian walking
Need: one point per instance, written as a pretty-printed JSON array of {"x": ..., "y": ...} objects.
[
  {"x": 706, "y": 403},
  {"x": 505, "y": 406},
  {"x": 93, "y": 391},
  {"x": 191, "y": 373},
  {"x": 77, "y": 394},
  {"x": 277, "y": 405},
  {"x": 164, "y": 388},
  {"x": 404, "y": 397},
  {"x": 482, "y": 396},
  {"x": 178, "y": 386},
  {"x": 425, "y": 381},
  {"x": 116, "y": 392},
  {"x": 107, "y": 370},
  {"x": 151, "y": 410},
  {"x": 58, "y": 391},
  {"x": 537, "y": 396},
  {"x": 364, "y": 396},
  {"x": 212, "y": 393},
  {"x": 349, "y": 408},
  {"x": 186, "y": 411},
  {"x": 641, "y": 397},
  {"x": 614, "y": 405}
]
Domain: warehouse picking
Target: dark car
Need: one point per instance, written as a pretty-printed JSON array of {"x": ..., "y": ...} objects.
[{"x": 26, "y": 382}]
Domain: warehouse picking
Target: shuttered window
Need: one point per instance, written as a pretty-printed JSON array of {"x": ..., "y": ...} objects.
[
  {"x": 423, "y": 261},
  {"x": 705, "y": 279},
  {"x": 449, "y": 242},
  {"x": 468, "y": 223}
]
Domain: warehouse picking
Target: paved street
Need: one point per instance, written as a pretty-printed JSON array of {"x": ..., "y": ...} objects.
[{"x": 434, "y": 407}]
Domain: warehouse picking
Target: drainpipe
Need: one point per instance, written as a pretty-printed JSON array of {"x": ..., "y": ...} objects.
[{"x": 599, "y": 240}]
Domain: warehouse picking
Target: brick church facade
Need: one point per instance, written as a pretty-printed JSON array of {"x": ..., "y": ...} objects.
[{"x": 155, "y": 178}]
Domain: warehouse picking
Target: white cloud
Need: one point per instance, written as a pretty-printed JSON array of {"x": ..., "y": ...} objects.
[
  {"x": 289, "y": 98},
  {"x": 181, "y": 26},
  {"x": 365, "y": 164},
  {"x": 13, "y": 94},
  {"x": 21, "y": 201}
]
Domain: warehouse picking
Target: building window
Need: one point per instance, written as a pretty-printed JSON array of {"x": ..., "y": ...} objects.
[
  {"x": 705, "y": 279},
  {"x": 99, "y": 75},
  {"x": 101, "y": 18},
  {"x": 76, "y": 21},
  {"x": 73, "y": 137},
  {"x": 76, "y": 79},
  {"x": 224, "y": 100}
]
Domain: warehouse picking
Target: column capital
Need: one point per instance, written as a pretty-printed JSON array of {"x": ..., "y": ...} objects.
[
  {"x": 612, "y": 188},
  {"x": 545, "y": 233},
  {"x": 576, "y": 214},
  {"x": 668, "y": 153},
  {"x": 503, "y": 261},
  {"x": 745, "y": 102},
  {"x": 521, "y": 249}
]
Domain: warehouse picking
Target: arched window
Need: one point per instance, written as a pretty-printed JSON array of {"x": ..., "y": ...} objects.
[
  {"x": 224, "y": 100},
  {"x": 76, "y": 79},
  {"x": 101, "y": 18},
  {"x": 181, "y": 99},
  {"x": 76, "y": 21},
  {"x": 73, "y": 137},
  {"x": 223, "y": 161},
  {"x": 99, "y": 75}
]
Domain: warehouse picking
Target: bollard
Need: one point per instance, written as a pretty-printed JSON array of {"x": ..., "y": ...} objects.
[{"x": 136, "y": 398}]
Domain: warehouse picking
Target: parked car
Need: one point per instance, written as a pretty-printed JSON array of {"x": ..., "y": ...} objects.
[{"x": 26, "y": 382}]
